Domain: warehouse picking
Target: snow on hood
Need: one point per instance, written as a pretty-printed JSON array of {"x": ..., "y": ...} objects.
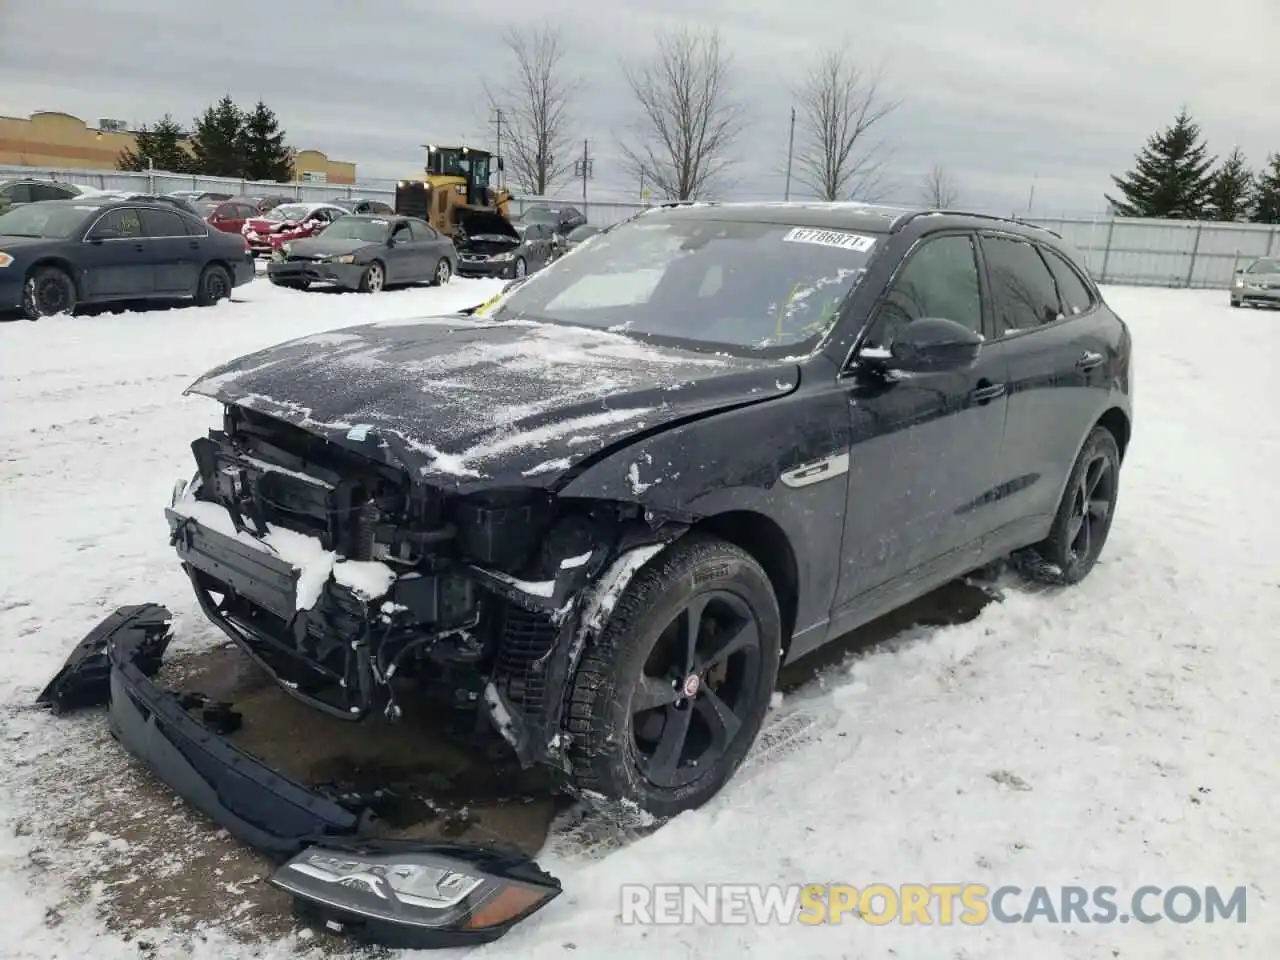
[{"x": 472, "y": 403}]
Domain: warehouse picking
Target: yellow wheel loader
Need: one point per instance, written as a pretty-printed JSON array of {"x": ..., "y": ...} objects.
[{"x": 457, "y": 179}]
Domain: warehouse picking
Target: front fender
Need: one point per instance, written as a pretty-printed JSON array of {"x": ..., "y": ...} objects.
[{"x": 745, "y": 461}]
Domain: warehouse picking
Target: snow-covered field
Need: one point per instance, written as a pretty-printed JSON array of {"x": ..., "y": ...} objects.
[{"x": 1135, "y": 716}]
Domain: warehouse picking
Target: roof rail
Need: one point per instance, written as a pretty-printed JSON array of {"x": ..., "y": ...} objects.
[{"x": 983, "y": 216}]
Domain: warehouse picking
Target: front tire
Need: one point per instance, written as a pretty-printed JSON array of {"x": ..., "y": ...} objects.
[
  {"x": 1235, "y": 302},
  {"x": 668, "y": 701},
  {"x": 374, "y": 279},
  {"x": 214, "y": 285},
  {"x": 47, "y": 292},
  {"x": 521, "y": 269},
  {"x": 443, "y": 274},
  {"x": 1084, "y": 516}
]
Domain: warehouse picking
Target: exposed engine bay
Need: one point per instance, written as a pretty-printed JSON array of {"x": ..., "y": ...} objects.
[{"x": 355, "y": 586}]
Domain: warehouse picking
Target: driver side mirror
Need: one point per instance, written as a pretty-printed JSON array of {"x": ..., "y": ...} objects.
[{"x": 931, "y": 345}]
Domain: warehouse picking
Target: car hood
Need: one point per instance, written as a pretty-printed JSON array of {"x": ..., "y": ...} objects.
[
  {"x": 14, "y": 244},
  {"x": 468, "y": 403},
  {"x": 323, "y": 246},
  {"x": 1267, "y": 278},
  {"x": 262, "y": 225}
]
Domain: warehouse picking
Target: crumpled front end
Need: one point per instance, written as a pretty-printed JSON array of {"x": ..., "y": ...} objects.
[
  {"x": 394, "y": 893},
  {"x": 356, "y": 588}
]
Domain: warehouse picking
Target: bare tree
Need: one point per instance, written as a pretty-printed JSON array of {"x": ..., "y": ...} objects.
[
  {"x": 689, "y": 122},
  {"x": 838, "y": 107},
  {"x": 535, "y": 102},
  {"x": 939, "y": 190}
]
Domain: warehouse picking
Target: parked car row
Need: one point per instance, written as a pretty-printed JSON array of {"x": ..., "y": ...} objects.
[{"x": 16, "y": 192}]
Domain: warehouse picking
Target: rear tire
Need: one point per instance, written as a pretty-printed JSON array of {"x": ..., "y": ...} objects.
[
  {"x": 214, "y": 285},
  {"x": 1084, "y": 516},
  {"x": 47, "y": 292},
  {"x": 643, "y": 690}
]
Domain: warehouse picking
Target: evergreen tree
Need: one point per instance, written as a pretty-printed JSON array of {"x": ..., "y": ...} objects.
[
  {"x": 1231, "y": 193},
  {"x": 1172, "y": 177},
  {"x": 216, "y": 140},
  {"x": 263, "y": 148},
  {"x": 159, "y": 147},
  {"x": 1266, "y": 207}
]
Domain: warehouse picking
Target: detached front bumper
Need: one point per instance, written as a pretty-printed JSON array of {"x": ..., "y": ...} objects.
[
  {"x": 395, "y": 893},
  {"x": 311, "y": 271}
]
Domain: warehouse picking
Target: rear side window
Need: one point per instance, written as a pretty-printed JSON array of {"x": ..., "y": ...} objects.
[
  {"x": 17, "y": 192},
  {"x": 194, "y": 227},
  {"x": 1072, "y": 291},
  {"x": 1022, "y": 287},
  {"x": 162, "y": 223}
]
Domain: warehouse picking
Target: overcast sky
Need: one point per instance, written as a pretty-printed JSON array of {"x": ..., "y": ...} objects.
[{"x": 1000, "y": 93}]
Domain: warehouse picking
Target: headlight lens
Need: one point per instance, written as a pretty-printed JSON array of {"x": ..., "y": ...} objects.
[
  {"x": 5, "y": 259},
  {"x": 345, "y": 258},
  {"x": 502, "y": 257},
  {"x": 414, "y": 885}
]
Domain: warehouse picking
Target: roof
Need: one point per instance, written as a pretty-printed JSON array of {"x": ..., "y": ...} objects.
[{"x": 846, "y": 215}]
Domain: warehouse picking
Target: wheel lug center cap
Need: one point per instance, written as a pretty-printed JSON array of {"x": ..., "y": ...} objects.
[{"x": 691, "y": 685}]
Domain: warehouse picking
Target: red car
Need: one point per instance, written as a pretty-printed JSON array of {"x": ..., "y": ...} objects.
[
  {"x": 289, "y": 221},
  {"x": 229, "y": 216}
]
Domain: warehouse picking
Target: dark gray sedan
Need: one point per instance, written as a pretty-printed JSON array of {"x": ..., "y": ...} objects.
[{"x": 366, "y": 253}]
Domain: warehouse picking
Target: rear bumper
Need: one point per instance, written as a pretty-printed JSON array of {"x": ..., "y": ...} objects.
[
  {"x": 244, "y": 270},
  {"x": 294, "y": 271}
]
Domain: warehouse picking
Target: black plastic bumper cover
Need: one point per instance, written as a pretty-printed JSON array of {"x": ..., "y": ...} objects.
[{"x": 257, "y": 805}]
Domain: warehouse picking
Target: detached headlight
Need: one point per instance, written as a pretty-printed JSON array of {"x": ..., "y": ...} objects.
[
  {"x": 502, "y": 257},
  {"x": 345, "y": 258},
  {"x": 5, "y": 259},
  {"x": 416, "y": 895}
]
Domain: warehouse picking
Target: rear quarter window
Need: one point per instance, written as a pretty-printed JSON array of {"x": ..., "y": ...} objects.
[{"x": 1072, "y": 290}]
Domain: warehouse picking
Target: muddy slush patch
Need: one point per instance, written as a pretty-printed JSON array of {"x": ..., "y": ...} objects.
[{"x": 111, "y": 833}]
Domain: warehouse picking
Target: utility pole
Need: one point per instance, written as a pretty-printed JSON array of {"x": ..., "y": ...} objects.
[
  {"x": 497, "y": 121},
  {"x": 791, "y": 149},
  {"x": 582, "y": 168}
]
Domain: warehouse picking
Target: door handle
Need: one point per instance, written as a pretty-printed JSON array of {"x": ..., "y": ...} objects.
[
  {"x": 193, "y": 245},
  {"x": 139, "y": 247},
  {"x": 986, "y": 391},
  {"x": 1088, "y": 360}
]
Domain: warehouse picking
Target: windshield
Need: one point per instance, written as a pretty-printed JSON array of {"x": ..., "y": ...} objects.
[
  {"x": 55, "y": 219},
  {"x": 288, "y": 211},
  {"x": 1264, "y": 266},
  {"x": 753, "y": 286},
  {"x": 357, "y": 228}
]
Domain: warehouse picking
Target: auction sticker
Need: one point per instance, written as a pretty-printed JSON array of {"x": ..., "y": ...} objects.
[{"x": 830, "y": 238}]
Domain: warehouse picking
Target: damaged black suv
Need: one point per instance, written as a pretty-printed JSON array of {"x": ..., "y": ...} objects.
[{"x": 604, "y": 508}]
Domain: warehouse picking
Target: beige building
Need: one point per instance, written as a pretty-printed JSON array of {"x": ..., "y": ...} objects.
[{"x": 55, "y": 141}]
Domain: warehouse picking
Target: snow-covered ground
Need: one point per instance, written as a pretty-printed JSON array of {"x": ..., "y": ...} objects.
[{"x": 1135, "y": 716}]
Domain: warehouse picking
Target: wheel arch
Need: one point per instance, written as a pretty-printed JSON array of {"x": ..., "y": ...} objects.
[
  {"x": 1117, "y": 423},
  {"x": 63, "y": 264},
  {"x": 768, "y": 544}
]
